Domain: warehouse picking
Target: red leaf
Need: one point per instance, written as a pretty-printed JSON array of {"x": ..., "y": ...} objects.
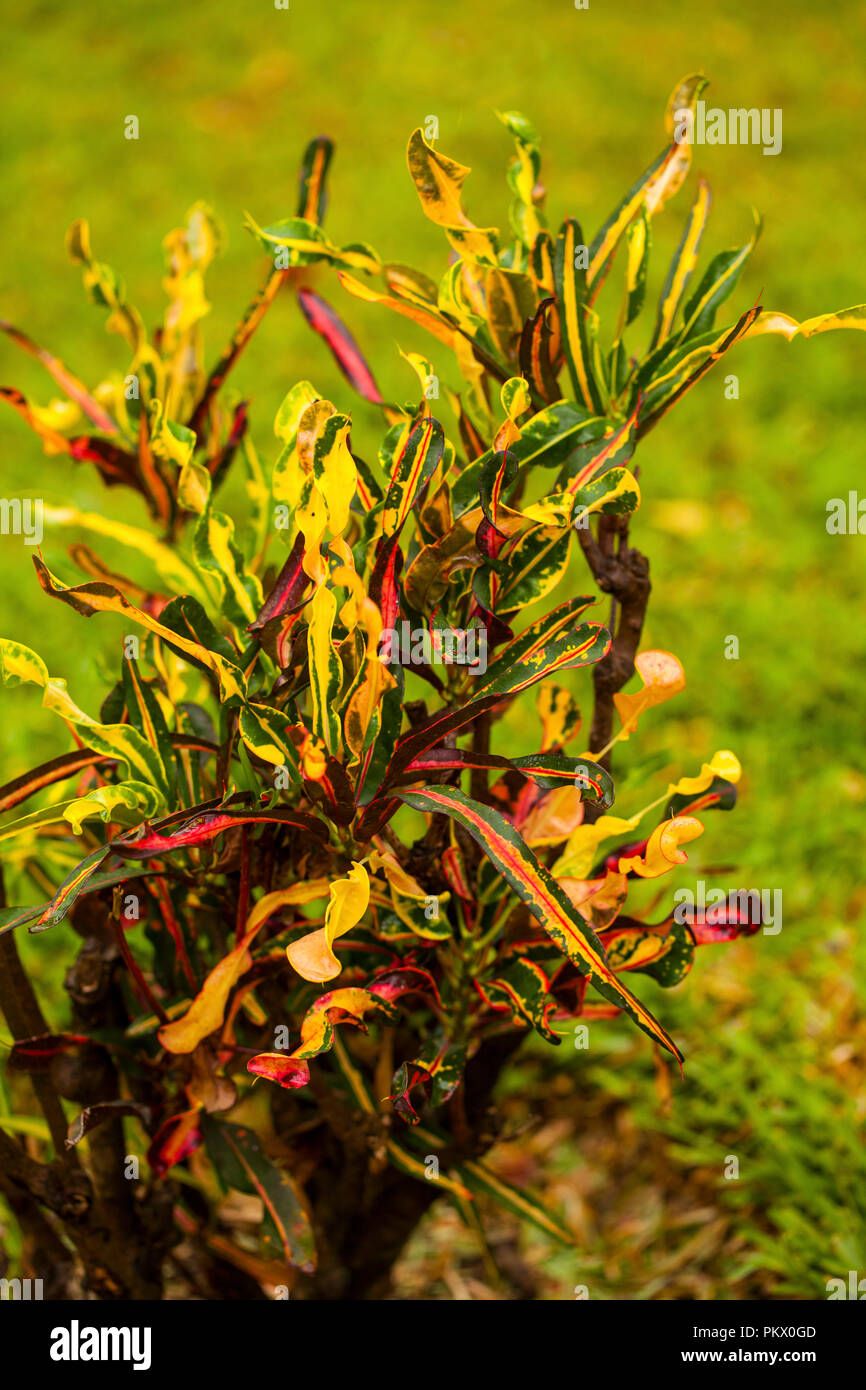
[{"x": 327, "y": 323}]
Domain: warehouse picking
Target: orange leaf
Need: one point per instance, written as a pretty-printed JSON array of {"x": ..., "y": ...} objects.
[{"x": 662, "y": 675}]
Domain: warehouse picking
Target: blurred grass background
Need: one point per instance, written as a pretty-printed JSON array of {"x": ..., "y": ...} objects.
[{"x": 733, "y": 518}]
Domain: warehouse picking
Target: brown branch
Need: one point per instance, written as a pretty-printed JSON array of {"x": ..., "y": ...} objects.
[
  {"x": 25, "y": 1019},
  {"x": 622, "y": 572},
  {"x": 43, "y": 1256},
  {"x": 66, "y": 1194},
  {"x": 115, "y": 1269},
  {"x": 244, "y": 330}
]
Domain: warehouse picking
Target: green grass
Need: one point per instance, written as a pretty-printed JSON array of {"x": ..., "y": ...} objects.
[{"x": 226, "y": 102}]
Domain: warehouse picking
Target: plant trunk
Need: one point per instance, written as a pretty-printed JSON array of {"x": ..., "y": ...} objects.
[{"x": 365, "y": 1212}]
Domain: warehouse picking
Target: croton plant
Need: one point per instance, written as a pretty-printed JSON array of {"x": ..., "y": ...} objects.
[{"x": 336, "y": 842}]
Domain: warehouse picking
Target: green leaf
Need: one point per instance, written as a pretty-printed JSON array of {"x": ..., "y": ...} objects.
[
  {"x": 127, "y": 803},
  {"x": 312, "y": 192},
  {"x": 534, "y": 567},
  {"x": 240, "y": 1163},
  {"x": 483, "y": 1182},
  {"x": 523, "y": 175},
  {"x": 263, "y": 730},
  {"x": 90, "y": 882},
  {"x": 665, "y": 952},
  {"x": 524, "y": 989},
  {"x": 217, "y": 554},
  {"x": 20, "y": 663},
  {"x": 615, "y": 493},
  {"x": 145, "y": 714},
  {"x": 682, "y": 265},
  {"x": 304, "y": 243},
  {"x": 511, "y": 299},
  {"x": 168, "y": 439},
  {"x": 105, "y": 288},
  {"x": 718, "y": 281},
  {"x": 70, "y": 890},
  {"x": 326, "y": 671},
  {"x": 673, "y": 383},
  {"x": 637, "y": 266},
  {"x": 571, "y": 293},
  {"x": 605, "y": 242},
  {"x": 98, "y": 597},
  {"x": 549, "y": 438},
  {"x": 418, "y": 460}
]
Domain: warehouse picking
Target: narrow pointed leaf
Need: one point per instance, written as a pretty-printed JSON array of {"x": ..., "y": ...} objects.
[
  {"x": 325, "y": 321},
  {"x": 538, "y": 889},
  {"x": 571, "y": 293}
]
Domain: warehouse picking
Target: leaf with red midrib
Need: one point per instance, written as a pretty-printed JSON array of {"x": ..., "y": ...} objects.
[
  {"x": 240, "y": 1162},
  {"x": 538, "y": 889}
]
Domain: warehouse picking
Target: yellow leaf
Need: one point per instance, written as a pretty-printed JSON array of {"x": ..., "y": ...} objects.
[
  {"x": 358, "y": 607},
  {"x": 396, "y": 875},
  {"x": 598, "y": 900},
  {"x": 723, "y": 764},
  {"x": 311, "y": 517},
  {"x": 313, "y": 956},
  {"x": 363, "y": 705},
  {"x": 515, "y": 397},
  {"x": 194, "y": 487},
  {"x": 206, "y": 1012},
  {"x": 336, "y": 479},
  {"x": 326, "y": 671},
  {"x": 286, "y": 897},
  {"x": 423, "y": 369},
  {"x": 349, "y": 899},
  {"x": 554, "y": 510},
  {"x": 771, "y": 321},
  {"x": 313, "y": 756},
  {"x": 439, "y": 180},
  {"x": 559, "y": 714},
  {"x": 577, "y": 858},
  {"x": 662, "y": 851}
]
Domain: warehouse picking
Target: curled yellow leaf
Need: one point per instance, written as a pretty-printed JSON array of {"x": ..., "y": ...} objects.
[
  {"x": 439, "y": 181},
  {"x": 313, "y": 956},
  {"x": 662, "y": 851}
]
